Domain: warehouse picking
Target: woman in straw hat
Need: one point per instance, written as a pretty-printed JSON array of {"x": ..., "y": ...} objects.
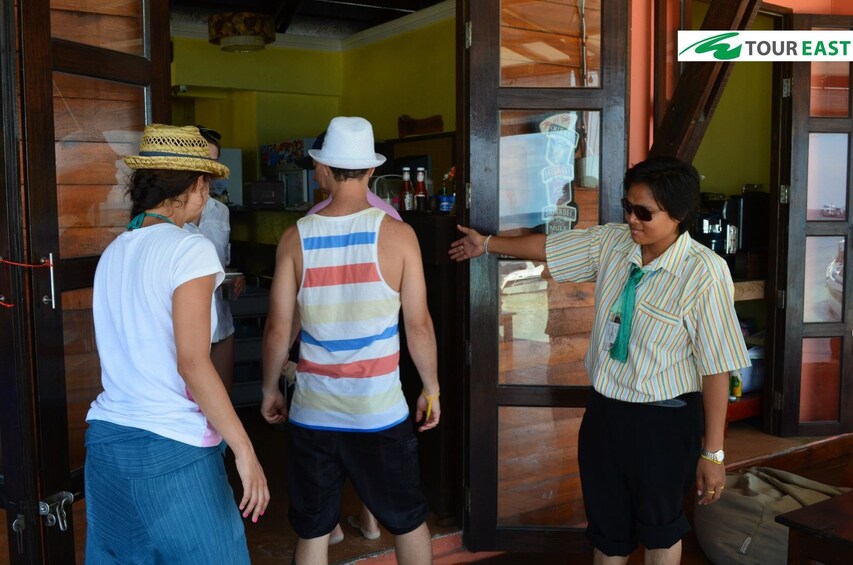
[{"x": 156, "y": 487}]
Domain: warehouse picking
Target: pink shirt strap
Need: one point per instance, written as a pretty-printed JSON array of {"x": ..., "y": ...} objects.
[{"x": 372, "y": 199}]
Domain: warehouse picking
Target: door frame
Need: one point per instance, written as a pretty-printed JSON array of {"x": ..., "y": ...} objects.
[
  {"x": 791, "y": 339},
  {"x": 37, "y": 385},
  {"x": 482, "y": 100}
]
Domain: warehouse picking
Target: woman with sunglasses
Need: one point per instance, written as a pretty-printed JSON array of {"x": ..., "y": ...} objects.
[{"x": 664, "y": 340}]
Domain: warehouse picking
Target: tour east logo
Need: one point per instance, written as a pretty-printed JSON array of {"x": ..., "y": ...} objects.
[{"x": 769, "y": 46}]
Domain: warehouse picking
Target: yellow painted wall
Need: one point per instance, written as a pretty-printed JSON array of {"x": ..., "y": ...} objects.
[
  {"x": 736, "y": 147},
  {"x": 412, "y": 73}
]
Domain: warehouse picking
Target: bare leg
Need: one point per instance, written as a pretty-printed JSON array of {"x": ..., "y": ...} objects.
[
  {"x": 222, "y": 356},
  {"x": 313, "y": 551},
  {"x": 368, "y": 523},
  {"x": 414, "y": 548},
  {"x": 337, "y": 535},
  {"x": 668, "y": 556},
  {"x": 598, "y": 558}
]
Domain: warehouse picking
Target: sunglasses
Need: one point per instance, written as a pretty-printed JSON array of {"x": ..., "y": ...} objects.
[{"x": 640, "y": 212}]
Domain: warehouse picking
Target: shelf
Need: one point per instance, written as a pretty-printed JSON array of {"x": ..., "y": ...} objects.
[
  {"x": 747, "y": 406},
  {"x": 749, "y": 290}
]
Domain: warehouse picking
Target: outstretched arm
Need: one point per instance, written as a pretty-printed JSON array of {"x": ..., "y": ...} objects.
[
  {"x": 191, "y": 322},
  {"x": 473, "y": 244}
]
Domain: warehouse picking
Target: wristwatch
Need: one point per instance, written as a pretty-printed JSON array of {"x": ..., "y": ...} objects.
[{"x": 715, "y": 456}]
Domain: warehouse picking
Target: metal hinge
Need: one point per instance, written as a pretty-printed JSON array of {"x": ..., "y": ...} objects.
[
  {"x": 55, "y": 509},
  {"x": 777, "y": 400},
  {"x": 787, "y": 85},
  {"x": 784, "y": 193},
  {"x": 468, "y": 34},
  {"x": 780, "y": 299},
  {"x": 467, "y": 195}
]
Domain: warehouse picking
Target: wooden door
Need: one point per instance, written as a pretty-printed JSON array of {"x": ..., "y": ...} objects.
[
  {"x": 91, "y": 76},
  {"x": 543, "y": 120},
  {"x": 816, "y": 342}
]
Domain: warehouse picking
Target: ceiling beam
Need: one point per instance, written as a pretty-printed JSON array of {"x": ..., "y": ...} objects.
[
  {"x": 700, "y": 86},
  {"x": 284, "y": 12}
]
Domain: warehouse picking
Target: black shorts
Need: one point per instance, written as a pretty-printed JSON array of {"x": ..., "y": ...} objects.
[
  {"x": 636, "y": 463},
  {"x": 383, "y": 467}
]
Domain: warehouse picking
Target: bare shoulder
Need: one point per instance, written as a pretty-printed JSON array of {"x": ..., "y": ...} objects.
[
  {"x": 397, "y": 233},
  {"x": 289, "y": 241}
]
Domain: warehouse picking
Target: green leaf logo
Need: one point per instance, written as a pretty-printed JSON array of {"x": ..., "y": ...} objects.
[{"x": 716, "y": 44}]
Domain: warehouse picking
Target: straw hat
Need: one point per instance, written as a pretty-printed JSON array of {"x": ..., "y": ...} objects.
[
  {"x": 348, "y": 145},
  {"x": 175, "y": 148}
]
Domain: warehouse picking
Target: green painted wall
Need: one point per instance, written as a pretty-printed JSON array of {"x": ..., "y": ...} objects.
[
  {"x": 412, "y": 73},
  {"x": 736, "y": 147}
]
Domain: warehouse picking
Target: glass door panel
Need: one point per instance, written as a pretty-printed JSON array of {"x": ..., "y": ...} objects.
[
  {"x": 827, "y": 180},
  {"x": 547, "y": 43},
  {"x": 820, "y": 384},
  {"x": 823, "y": 296},
  {"x": 538, "y": 476},
  {"x": 830, "y": 89},
  {"x": 115, "y": 25}
]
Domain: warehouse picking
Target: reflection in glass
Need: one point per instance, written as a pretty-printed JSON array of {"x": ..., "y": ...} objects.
[
  {"x": 550, "y": 44},
  {"x": 824, "y": 279},
  {"x": 820, "y": 383},
  {"x": 115, "y": 25},
  {"x": 538, "y": 477},
  {"x": 830, "y": 87},
  {"x": 548, "y": 177},
  {"x": 827, "y": 181},
  {"x": 96, "y": 123}
]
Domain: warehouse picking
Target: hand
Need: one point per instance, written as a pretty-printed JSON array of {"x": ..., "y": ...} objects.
[
  {"x": 256, "y": 494},
  {"x": 239, "y": 286},
  {"x": 274, "y": 407},
  {"x": 710, "y": 481},
  {"x": 466, "y": 247},
  {"x": 434, "y": 415}
]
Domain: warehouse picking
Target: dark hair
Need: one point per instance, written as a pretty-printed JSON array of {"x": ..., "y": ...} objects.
[
  {"x": 674, "y": 184},
  {"x": 212, "y": 136},
  {"x": 345, "y": 174},
  {"x": 150, "y": 187}
]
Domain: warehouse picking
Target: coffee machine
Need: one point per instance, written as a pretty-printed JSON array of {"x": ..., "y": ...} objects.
[{"x": 717, "y": 224}]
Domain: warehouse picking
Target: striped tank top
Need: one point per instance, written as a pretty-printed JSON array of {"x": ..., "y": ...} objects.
[{"x": 348, "y": 376}]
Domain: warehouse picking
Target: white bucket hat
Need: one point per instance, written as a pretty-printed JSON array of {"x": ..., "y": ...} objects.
[{"x": 348, "y": 145}]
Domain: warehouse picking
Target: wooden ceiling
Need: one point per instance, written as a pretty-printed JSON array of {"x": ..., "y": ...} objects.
[{"x": 348, "y": 15}]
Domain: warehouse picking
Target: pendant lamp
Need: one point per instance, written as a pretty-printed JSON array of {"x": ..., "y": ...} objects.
[{"x": 241, "y": 32}]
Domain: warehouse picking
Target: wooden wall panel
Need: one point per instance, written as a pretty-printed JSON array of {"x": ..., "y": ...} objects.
[
  {"x": 111, "y": 25},
  {"x": 92, "y": 163},
  {"x": 92, "y": 206},
  {"x": 82, "y": 242}
]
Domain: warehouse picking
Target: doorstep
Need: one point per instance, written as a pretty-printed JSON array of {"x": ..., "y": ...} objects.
[{"x": 447, "y": 549}]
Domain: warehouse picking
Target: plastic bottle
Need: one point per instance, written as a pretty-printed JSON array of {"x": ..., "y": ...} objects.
[
  {"x": 445, "y": 196},
  {"x": 407, "y": 192},
  {"x": 421, "y": 196},
  {"x": 736, "y": 384}
]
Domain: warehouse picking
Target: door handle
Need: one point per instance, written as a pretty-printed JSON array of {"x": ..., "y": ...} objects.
[{"x": 54, "y": 509}]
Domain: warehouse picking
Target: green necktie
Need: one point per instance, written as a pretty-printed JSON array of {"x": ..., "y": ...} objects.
[{"x": 619, "y": 350}]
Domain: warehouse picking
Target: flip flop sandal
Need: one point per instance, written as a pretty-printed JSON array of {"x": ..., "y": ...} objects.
[{"x": 353, "y": 521}]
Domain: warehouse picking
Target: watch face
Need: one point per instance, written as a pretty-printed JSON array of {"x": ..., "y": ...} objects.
[{"x": 718, "y": 456}]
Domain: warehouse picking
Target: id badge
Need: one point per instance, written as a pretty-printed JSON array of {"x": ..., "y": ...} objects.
[{"x": 611, "y": 330}]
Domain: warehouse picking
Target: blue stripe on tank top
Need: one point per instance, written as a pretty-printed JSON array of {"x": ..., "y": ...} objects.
[
  {"x": 332, "y": 241},
  {"x": 348, "y": 344}
]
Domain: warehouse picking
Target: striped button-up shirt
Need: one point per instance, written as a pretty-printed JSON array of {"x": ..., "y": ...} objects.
[{"x": 684, "y": 324}]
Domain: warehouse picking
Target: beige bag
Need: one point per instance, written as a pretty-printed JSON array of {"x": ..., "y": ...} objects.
[{"x": 740, "y": 528}]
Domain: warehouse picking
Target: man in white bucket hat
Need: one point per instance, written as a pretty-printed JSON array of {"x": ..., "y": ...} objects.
[{"x": 346, "y": 272}]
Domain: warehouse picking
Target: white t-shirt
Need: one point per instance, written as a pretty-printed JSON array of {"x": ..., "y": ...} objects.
[
  {"x": 132, "y": 306},
  {"x": 215, "y": 225}
]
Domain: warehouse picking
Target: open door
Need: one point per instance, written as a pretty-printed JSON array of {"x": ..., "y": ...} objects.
[
  {"x": 87, "y": 78},
  {"x": 544, "y": 89},
  {"x": 815, "y": 344}
]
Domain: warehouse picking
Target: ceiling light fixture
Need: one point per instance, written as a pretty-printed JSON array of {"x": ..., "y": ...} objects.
[{"x": 241, "y": 32}]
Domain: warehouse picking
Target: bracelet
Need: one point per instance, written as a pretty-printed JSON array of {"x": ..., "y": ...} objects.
[
  {"x": 429, "y": 402},
  {"x": 486, "y": 244},
  {"x": 703, "y": 456}
]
